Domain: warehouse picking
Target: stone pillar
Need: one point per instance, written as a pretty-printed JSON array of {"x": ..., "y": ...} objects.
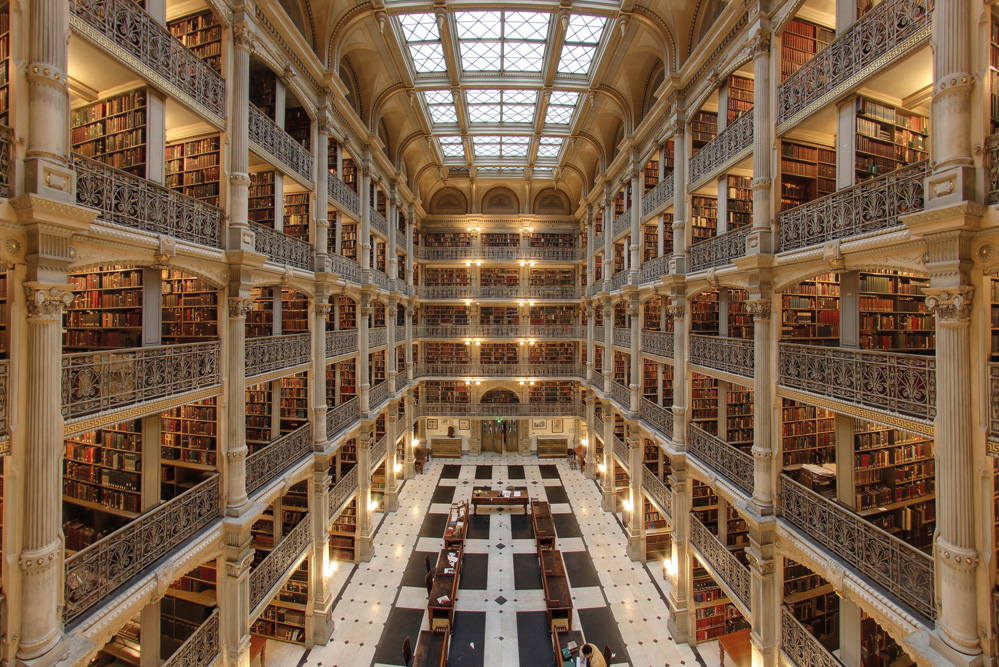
[
  {"x": 411, "y": 263},
  {"x": 240, "y": 237},
  {"x": 635, "y": 315},
  {"x": 636, "y": 541},
  {"x": 234, "y": 592},
  {"x": 365, "y": 442},
  {"x": 608, "y": 502},
  {"x": 608, "y": 239},
  {"x": 323, "y": 129},
  {"x": 591, "y": 439},
  {"x": 678, "y": 263},
  {"x": 409, "y": 339},
  {"x": 636, "y": 225},
  {"x": 590, "y": 348},
  {"x": 319, "y": 389},
  {"x": 763, "y": 592},
  {"x": 364, "y": 233},
  {"x": 590, "y": 250},
  {"x": 608, "y": 363},
  {"x": 676, "y": 310},
  {"x": 236, "y": 449},
  {"x": 391, "y": 252},
  {"x": 760, "y": 240},
  {"x": 363, "y": 363},
  {"x": 390, "y": 351},
  {"x": 763, "y": 404},
  {"x": 319, "y": 561},
  {"x": 680, "y": 593}
]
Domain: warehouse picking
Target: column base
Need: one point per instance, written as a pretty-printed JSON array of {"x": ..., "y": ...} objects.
[
  {"x": 322, "y": 624},
  {"x": 474, "y": 446},
  {"x": 678, "y": 624},
  {"x": 408, "y": 470},
  {"x": 390, "y": 499},
  {"x": 590, "y": 472},
  {"x": 636, "y": 546},
  {"x": 63, "y": 651},
  {"x": 525, "y": 447},
  {"x": 936, "y": 651},
  {"x": 365, "y": 549},
  {"x": 608, "y": 501}
]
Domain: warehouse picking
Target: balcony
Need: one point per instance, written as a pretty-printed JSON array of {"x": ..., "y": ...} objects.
[
  {"x": 277, "y": 353},
  {"x": 500, "y": 370},
  {"x": 136, "y": 203},
  {"x": 346, "y": 268},
  {"x": 872, "y": 206},
  {"x": 900, "y": 569},
  {"x": 733, "y": 463},
  {"x": 874, "y": 42},
  {"x": 282, "y": 149},
  {"x": 378, "y": 452},
  {"x": 341, "y": 492},
  {"x": 660, "y": 494},
  {"x": 659, "y": 343},
  {"x": 598, "y": 425},
  {"x": 622, "y": 337},
  {"x": 476, "y": 292},
  {"x": 341, "y": 193},
  {"x": 619, "y": 280},
  {"x": 273, "y": 569},
  {"x": 124, "y": 29},
  {"x": 716, "y": 555},
  {"x": 341, "y": 416},
  {"x": 95, "y": 382},
  {"x": 993, "y": 407},
  {"x": 201, "y": 649},
  {"x": 95, "y": 573},
  {"x": 622, "y": 223},
  {"x": 377, "y": 337},
  {"x": 884, "y": 381},
  {"x": 623, "y": 453},
  {"x": 992, "y": 164},
  {"x": 721, "y": 250},
  {"x": 341, "y": 342},
  {"x": 599, "y": 380},
  {"x": 799, "y": 646},
  {"x": 377, "y": 395},
  {"x": 655, "y": 269},
  {"x": 379, "y": 223},
  {"x": 490, "y": 410},
  {"x": 4, "y": 393},
  {"x": 621, "y": 394},
  {"x": 375, "y": 277},
  {"x": 518, "y": 253},
  {"x": 6, "y": 161},
  {"x": 499, "y": 331},
  {"x": 728, "y": 355},
  {"x": 659, "y": 417},
  {"x": 658, "y": 197},
  {"x": 731, "y": 145},
  {"x": 281, "y": 248},
  {"x": 264, "y": 465},
  {"x": 598, "y": 332}
]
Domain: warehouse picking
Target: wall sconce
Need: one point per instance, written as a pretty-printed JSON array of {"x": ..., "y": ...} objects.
[
  {"x": 468, "y": 263},
  {"x": 373, "y": 505},
  {"x": 627, "y": 505},
  {"x": 602, "y": 468},
  {"x": 477, "y": 383},
  {"x": 584, "y": 442},
  {"x": 521, "y": 382},
  {"x": 532, "y": 383},
  {"x": 478, "y": 342},
  {"x": 398, "y": 467}
]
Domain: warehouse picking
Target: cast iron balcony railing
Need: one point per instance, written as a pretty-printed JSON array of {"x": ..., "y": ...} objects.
[
  {"x": 274, "y": 141},
  {"x": 379, "y": 223},
  {"x": 993, "y": 402},
  {"x": 273, "y": 353},
  {"x": 517, "y": 253},
  {"x": 872, "y": 206},
  {"x": 731, "y": 145},
  {"x": 281, "y": 248},
  {"x": 489, "y": 410},
  {"x": 378, "y": 394},
  {"x": 659, "y": 417},
  {"x": 341, "y": 193},
  {"x": 720, "y": 250},
  {"x": 905, "y": 572},
  {"x": 101, "y": 381},
  {"x": 598, "y": 425},
  {"x": 93, "y": 574},
  {"x": 659, "y": 493},
  {"x": 619, "y": 279},
  {"x": 346, "y": 268},
  {"x": 341, "y": 416},
  {"x": 201, "y": 649},
  {"x": 499, "y": 370},
  {"x": 622, "y": 223},
  {"x": 722, "y": 457},
  {"x": 375, "y": 277},
  {"x": 342, "y": 491},
  {"x": 887, "y": 381},
  {"x": 4, "y": 395},
  {"x": 799, "y": 645},
  {"x": 594, "y": 289},
  {"x": 341, "y": 342},
  {"x": 654, "y": 269},
  {"x": 992, "y": 164},
  {"x": 378, "y": 451},
  {"x": 133, "y": 202},
  {"x": 265, "y": 464},
  {"x": 658, "y": 197},
  {"x": 123, "y": 28},
  {"x": 875, "y": 41},
  {"x": 478, "y": 292},
  {"x": 659, "y": 343},
  {"x": 598, "y": 332},
  {"x": 621, "y": 394},
  {"x": 623, "y": 453},
  {"x": 6, "y": 161},
  {"x": 499, "y": 331},
  {"x": 599, "y": 380},
  {"x": 272, "y": 569},
  {"x": 716, "y": 555},
  {"x": 377, "y": 337},
  {"x": 622, "y": 337},
  {"x": 729, "y": 355}
]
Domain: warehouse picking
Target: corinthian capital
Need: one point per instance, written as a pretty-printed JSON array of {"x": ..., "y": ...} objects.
[
  {"x": 950, "y": 304},
  {"x": 675, "y": 310},
  {"x": 760, "y": 44},
  {"x": 45, "y": 302},
  {"x": 759, "y": 309},
  {"x": 242, "y": 36},
  {"x": 323, "y": 309},
  {"x": 239, "y": 307}
]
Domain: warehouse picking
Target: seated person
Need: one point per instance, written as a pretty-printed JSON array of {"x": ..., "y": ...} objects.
[{"x": 592, "y": 657}]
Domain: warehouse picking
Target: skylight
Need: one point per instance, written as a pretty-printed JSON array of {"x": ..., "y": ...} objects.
[
  {"x": 502, "y": 41},
  {"x": 424, "y": 42},
  {"x": 452, "y": 146},
  {"x": 490, "y": 146},
  {"x": 561, "y": 106},
  {"x": 501, "y": 106},
  {"x": 441, "y": 105},
  {"x": 549, "y": 147},
  {"x": 581, "y": 39}
]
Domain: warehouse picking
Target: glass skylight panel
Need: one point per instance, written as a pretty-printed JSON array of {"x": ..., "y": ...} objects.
[
  {"x": 501, "y": 106},
  {"x": 585, "y": 29},
  {"x": 548, "y": 147},
  {"x": 452, "y": 146},
  {"x": 424, "y": 42},
  {"x": 441, "y": 105},
  {"x": 576, "y": 59},
  {"x": 502, "y": 41},
  {"x": 515, "y": 146},
  {"x": 561, "y": 106},
  {"x": 501, "y": 147},
  {"x": 581, "y": 39}
]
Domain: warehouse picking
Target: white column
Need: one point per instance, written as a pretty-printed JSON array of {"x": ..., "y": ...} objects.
[
  {"x": 636, "y": 225},
  {"x": 678, "y": 263},
  {"x": 364, "y": 235},
  {"x": 676, "y": 310},
  {"x": 240, "y": 237},
  {"x": 321, "y": 198},
  {"x": 321, "y": 599},
  {"x": 760, "y": 241},
  {"x": 390, "y": 351},
  {"x": 763, "y": 404},
  {"x": 391, "y": 495},
  {"x": 364, "y": 530},
  {"x": 363, "y": 363},
  {"x": 236, "y": 449},
  {"x": 635, "y": 316},
  {"x": 680, "y": 597},
  {"x": 608, "y": 239},
  {"x": 323, "y": 307}
]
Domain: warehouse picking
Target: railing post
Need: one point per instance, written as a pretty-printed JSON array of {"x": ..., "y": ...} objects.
[
  {"x": 680, "y": 595},
  {"x": 235, "y": 448},
  {"x": 319, "y": 561}
]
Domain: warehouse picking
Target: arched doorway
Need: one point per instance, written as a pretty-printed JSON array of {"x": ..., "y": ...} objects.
[{"x": 499, "y": 434}]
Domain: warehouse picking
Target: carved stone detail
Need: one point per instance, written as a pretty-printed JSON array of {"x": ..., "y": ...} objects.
[
  {"x": 46, "y": 303},
  {"x": 950, "y": 305},
  {"x": 759, "y": 309},
  {"x": 239, "y": 307}
]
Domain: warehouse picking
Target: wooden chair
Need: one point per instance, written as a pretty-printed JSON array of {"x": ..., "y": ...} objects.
[
  {"x": 426, "y": 559},
  {"x": 607, "y": 654},
  {"x": 407, "y": 652},
  {"x": 430, "y": 582}
]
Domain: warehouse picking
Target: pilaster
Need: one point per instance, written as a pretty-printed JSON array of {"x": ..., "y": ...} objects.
[
  {"x": 391, "y": 495},
  {"x": 764, "y": 599},
  {"x": 322, "y": 309},
  {"x": 365, "y": 531},
  {"x": 235, "y": 446},
  {"x": 633, "y": 528},
  {"x": 763, "y": 374},
  {"x": 607, "y": 500},
  {"x": 760, "y": 239},
  {"x": 680, "y": 594},
  {"x": 321, "y": 600},
  {"x": 240, "y": 236},
  {"x": 234, "y": 592}
]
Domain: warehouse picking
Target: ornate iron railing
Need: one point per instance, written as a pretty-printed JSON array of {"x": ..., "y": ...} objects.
[
  {"x": 622, "y": 223},
  {"x": 659, "y": 343},
  {"x": 901, "y": 569},
  {"x": 518, "y": 253},
  {"x": 622, "y": 337},
  {"x": 499, "y": 331},
  {"x": 716, "y": 555},
  {"x": 271, "y": 353},
  {"x": 719, "y": 251},
  {"x": 378, "y": 450},
  {"x": 872, "y": 206},
  {"x": 379, "y": 223},
  {"x": 730, "y": 461},
  {"x": 341, "y": 193},
  {"x": 133, "y": 202},
  {"x": 567, "y": 409},
  {"x": 281, "y": 248},
  {"x": 4, "y": 393},
  {"x": 621, "y": 394},
  {"x": 280, "y": 145},
  {"x": 99, "y": 381},
  {"x": 992, "y": 168},
  {"x": 654, "y": 269},
  {"x": 6, "y": 161},
  {"x": 886, "y": 32},
  {"x": 659, "y": 417},
  {"x": 731, "y": 355},
  {"x": 598, "y": 332},
  {"x": 594, "y": 289},
  {"x": 800, "y": 646},
  {"x": 94, "y": 573},
  {"x": 341, "y": 491},
  {"x": 201, "y": 649},
  {"x": 341, "y": 342},
  {"x": 264, "y": 465},
  {"x": 378, "y": 394},
  {"x": 619, "y": 280},
  {"x": 623, "y": 453},
  {"x": 274, "y": 566},
  {"x": 732, "y": 144},
  {"x": 598, "y": 425},
  {"x": 377, "y": 337},
  {"x": 890, "y": 381},
  {"x": 993, "y": 401},
  {"x": 341, "y": 416},
  {"x": 376, "y": 277},
  {"x": 599, "y": 381},
  {"x": 500, "y": 370},
  {"x": 659, "y": 196},
  {"x": 473, "y": 292},
  {"x": 659, "y": 492},
  {"x": 346, "y": 268},
  {"x": 123, "y": 28}
]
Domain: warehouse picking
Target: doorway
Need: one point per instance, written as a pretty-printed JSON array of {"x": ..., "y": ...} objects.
[{"x": 499, "y": 436}]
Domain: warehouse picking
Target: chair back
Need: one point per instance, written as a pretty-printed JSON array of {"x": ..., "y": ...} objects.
[
  {"x": 407, "y": 651},
  {"x": 607, "y": 654}
]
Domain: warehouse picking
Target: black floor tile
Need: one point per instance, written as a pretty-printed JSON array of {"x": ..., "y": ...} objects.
[
  {"x": 443, "y": 494},
  {"x": 433, "y": 525},
  {"x": 483, "y": 472},
  {"x": 526, "y": 572},
  {"x": 478, "y": 527},
  {"x": 474, "y": 572},
  {"x": 450, "y": 471},
  {"x": 533, "y": 641},
  {"x": 549, "y": 472},
  {"x": 521, "y": 527},
  {"x": 516, "y": 472},
  {"x": 556, "y": 494},
  {"x": 579, "y": 568},
  {"x": 401, "y": 623},
  {"x": 469, "y": 631},
  {"x": 416, "y": 569},
  {"x": 600, "y": 628},
  {"x": 566, "y": 525}
]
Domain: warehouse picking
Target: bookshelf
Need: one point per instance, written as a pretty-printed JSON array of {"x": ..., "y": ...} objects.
[
  {"x": 294, "y": 312},
  {"x": 541, "y": 315},
  {"x": 799, "y": 42},
  {"x": 704, "y": 402},
  {"x": 181, "y": 614},
  {"x": 704, "y": 218},
  {"x": 378, "y": 483},
  {"x": 261, "y": 194},
  {"x": 740, "y": 97},
  {"x": 111, "y": 130},
  {"x": 294, "y": 402},
  {"x": 553, "y": 353},
  {"x": 445, "y": 391},
  {"x": 284, "y": 618},
  {"x": 650, "y": 380},
  {"x": 376, "y": 369},
  {"x": 189, "y": 436},
  {"x": 510, "y": 315},
  {"x": 263, "y": 91},
  {"x": 4, "y": 64},
  {"x": 349, "y": 173},
  {"x": 489, "y": 277},
  {"x": 810, "y": 311},
  {"x": 259, "y": 430},
  {"x": 652, "y": 519},
  {"x": 622, "y": 488},
  {"x": 343, "y": 534},
  {"x": 993, "y": 73},
  {"x": 298, "y": 124},
  {"x": 703, "y": 128},
  {"x": 552, "y": 448},
  {"x": 807, "y": 172},
  {"x": 446, "y": 353},
  {"x": 888, "y": 138},
  {"x": 808, "y": 434},
  {"x": 704, "y": 313},
  {"x": 447, "y": 240},
  {"x": 347, "y": 371},
  {"x": 106, "y": 312},
  {"x": 491, "y": 354},
  {"x": 714, "y": 615},
  {"x": 260, "y": 318},
  {"x": 347, "y": 310},
  {"x": 740, "y": 202},
  {"x": 193, "y": 168},
  {"x": 704, "y": 503},
  {"x": 877, "y": 648},
  {"x": 650, "y": 175},
  {"x": 498, "y": 240},
  {"x": 446, "y": 316},
  {"x": 650, "y": 243},
  {"x": 813, "y": 602},
  {"x": 739, "y": 417},
  {"x": 459, "y": 277},
  {"x": 740, "y": 323},
  {"x": 348, "y": 241},
  {"x": 552, "y": 391},
  {"x": 736, "y": 532},
  {"x": 552, "y": 240},
  {"x": 103, "y": 470},
  {"x": 893, "y": 313},
  {"x": 201, "y": 33},
  {"x": 190, "y": 309},
  {"x": 552, "y": 277}
]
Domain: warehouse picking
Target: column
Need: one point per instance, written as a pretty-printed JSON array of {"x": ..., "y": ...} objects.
[
  {"x": 763, "y": 404},
  {"x": 319, "y": 562},
  {"x": 150, "y": 628},
  {"x": 676, "y": 310},
  {"x": 679, "y": 597},
  {"x": 390, "y": 352},
  {"x": 608, "y": 363},
  {"x": 636, "y": 536},
  {"x": 391, "y": 252},
  {"x": 764, "y": 598},
  {"x": 635, "y": 317},
  {"x": 410, "y": 232},
  {"x": 319, "y": 390},
  {"x": 590, "y": 347},
  {"x": 608, "y": 222},
  {"x": 365, "y": 441},
  {"x": 364, "y": 193},
  {"x": 236, "y": 449},
  {"x": 636, "y": 224},
  {"x": 760, "y": 240},
  {"x": 591, "y": 440},
  {"x": 391, "y": 495},
  {"x": 321, "y": 197},
  {"x": 410, "y": 373},
  {"x": 590, "y": 250},
  {"x": 363, "y": 363},
  {"x": 608, "y": 503},
  {"x": 240, "y": 236},
  {"x": 678, "y": 263},
  {"x": 234, "y": 592}
]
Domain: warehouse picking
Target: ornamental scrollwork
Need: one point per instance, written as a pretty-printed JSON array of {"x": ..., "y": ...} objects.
[
  {"x": 239, "y": 307},
  {"x": 47, "y": 302},
  {"x": 950, "y": 304},
  {"x": 759, "y": 309}
]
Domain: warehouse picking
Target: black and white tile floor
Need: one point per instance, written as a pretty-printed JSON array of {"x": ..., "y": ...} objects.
[{"x": 500, "y": 618}]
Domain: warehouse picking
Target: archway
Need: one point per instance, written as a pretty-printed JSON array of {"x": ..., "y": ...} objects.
[{"x": 499, "y": 434}]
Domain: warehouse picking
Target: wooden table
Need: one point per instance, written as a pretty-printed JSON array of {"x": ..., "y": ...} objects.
[
  {"x": 483, "y": 495},
  {"x": 544, "y": 525},
  {"x": 431, "y": 649},
  {"x": 442, "y": 613},
  {"x": 738, "y": 647},
  {"x": 558, "y": 598},
  {"x": 457, "y": 526},
  {"x": 443, "y": 563},
  {"x": 551, "y": 562},
  {"x": 561, "y": 640}
]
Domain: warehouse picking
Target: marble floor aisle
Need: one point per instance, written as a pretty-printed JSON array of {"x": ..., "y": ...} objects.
[{"x": 500, "y": 618}]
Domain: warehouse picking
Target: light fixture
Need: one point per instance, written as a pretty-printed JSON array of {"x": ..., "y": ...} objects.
[
  {"x": 373, "y": 505},
  {"x": 330, "y": 569},
  {"x": 531, "y": 303},
  {"x": 602, "y": 468},
  {"x": 469, "y": 229},
  {"x": 521, "y": 303},
  {"x": 532, "y": 342},
  {"x": 532, "y": 383},
  {"x": 521, "y": 382},
  {"x": 398, "y": 467},
  {"x": 477, "y": 383},
  {"x": 468, "y": 382},
  {"x": 468, "y": 303},
  {"x": 478, "y": 342},
  {"x": 523, "y": 263},
  {"x": 468, "y": 342},
  {"x": 522, "y": 342},
  {"x": 583, "y": 442},
  {"x": 478, "y": 264},
  {"x": 627, "y": 505}
]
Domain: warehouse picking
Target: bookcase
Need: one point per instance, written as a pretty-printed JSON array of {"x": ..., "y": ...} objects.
[
  {"x": 181, "y": 613},
  {"x": 445, "y": 391},
  {"x": 447, "y": 240},
  {"x": 541, "y": 315},
  {"x": 888, "y": 138},
  {"x": 739, "y": 417},
  {"x": 347, "y": 310},
  {"x": 106, "y": 312},
  {"x": 703, "y": 128},
  {"x": 189, "y": 435},
  {"x": 347, "y": 371},
  {"x": 378, "y": 254},
  {"x": 201, "y": 33},
  {"x": 552, "y": 240},
  {"x": 343, "y": 533},
  {"x": 445, "y": 353},
  {"x": 263, "y": 91},
  {"x": 799, "y": 42},
  {"x": 993, "y": 73},
  {"x": 348, "y": 240},
  {"x": 504, "y": 315},
  {"x": 704, "y": 313},
  {"x": 740, "y": 96},
  {"x": 190, "y": 309},
  {"x": 259, "y": 429},
  {"x": 704, "y": 504},
  {"x": 622, "y": 488},
  {"x": 552, "y": 391},
  {"x": 810, "y": 311},
  {"x": 488, "y": 277},
  {"x": 261, "y": 194},
  {"x": 499, "y": 240},
  {"x": 740, "y": 323},
  {"x": 552, "y": 277},
  {"x": 4, "y": 63},
  {"x": 650, "y": 380},
  {"x": 446, "y": 315},
  {"x": 491, "y": 354},
  {"x": 294, "y": 312},
  {"x": 704, "y": 402},
  {"x": 652, "y": 519},
  {"x": 193, "y": 168},
  {"x": 878, "y": 648},
  {"x": 740, "y": 202},
  {"x": 553, "y": 353},
  {"x": 284, "y": 617},
  {"x": 376, "y": 368},
  {"x": 294, "y": 402},
  {"x": 893, "y": 313},
  {"x": 298, "y": 124},
  {"x": 111, "y": 130},
  {"x": 808, "y": 434},
  {"x": 349, "y": 177},
  {"x": 103, "y": 469},
  {"x": 650, "y": 175},
  {"x": 440, "y": 277},
  {"x": 807, "y": 172},
  {"x": 736, "y": 532},
  {"x": 813, "y": 602},
  {"x": 650, "y": 242},
  {"x": 704, "y": 218},
  {"x": 260, "y": 318}
]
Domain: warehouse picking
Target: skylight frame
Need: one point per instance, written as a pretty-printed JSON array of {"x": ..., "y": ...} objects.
[
  {"x": 502, "y": 41},
  {"x": 422, "y": 38},
  {"x": 487, "y": 148},
  {"x": 495, "y": 106},
  {"x": 583, "y": 37},
  {"x": 441, "y": 106}
]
